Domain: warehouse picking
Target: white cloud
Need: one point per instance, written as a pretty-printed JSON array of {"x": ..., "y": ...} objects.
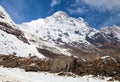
[
  {"x": 75, "y": 11},
  {"x": 104, "y": 5},
  {"x": 55, "y": 2}
]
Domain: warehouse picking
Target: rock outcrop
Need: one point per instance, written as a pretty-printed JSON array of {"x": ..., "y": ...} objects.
[
  {"x": 63, "y": 63},
  {"x": 105, "y": 66}
]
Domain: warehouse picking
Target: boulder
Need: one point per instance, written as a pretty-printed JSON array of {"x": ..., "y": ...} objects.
[
  {"x": 63, "y": 63},
  {"x": 11, "y": 64}
]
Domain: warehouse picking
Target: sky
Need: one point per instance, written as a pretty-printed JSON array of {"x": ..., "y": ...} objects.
[{"x": 97, "y": 13}]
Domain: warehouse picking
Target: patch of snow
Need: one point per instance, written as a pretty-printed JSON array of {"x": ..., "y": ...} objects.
[
  {"x": 19, "y": 75},
  {"x": 104, "y": 57}
]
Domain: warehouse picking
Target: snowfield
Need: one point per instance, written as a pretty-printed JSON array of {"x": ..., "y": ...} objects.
[
  {"x": 10, "y": 44},
  {"x": 19, "y": 75}
]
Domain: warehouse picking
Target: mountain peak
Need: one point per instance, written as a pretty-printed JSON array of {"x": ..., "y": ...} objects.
[
  {"x": 60, "y": 13},
  {"x": 60, "y": 20}
]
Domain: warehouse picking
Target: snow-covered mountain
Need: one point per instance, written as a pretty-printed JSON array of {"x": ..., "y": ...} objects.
[
  {"x": 66, "y": 35},
  {"x": 59, "y": 26},
  {"x": 112, "y": 32},
  {"x": 12, "y": 39},
  {"x": 58, "y": 34}
]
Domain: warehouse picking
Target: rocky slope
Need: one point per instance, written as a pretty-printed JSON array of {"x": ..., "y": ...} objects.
[
  {"x": 108, "y": 40},
  {"x": 12, "y": 39},
  {"x": 65, "y": 66}
]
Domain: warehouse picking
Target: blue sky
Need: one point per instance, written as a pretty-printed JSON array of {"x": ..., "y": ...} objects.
[{"x": 97, "y": 13}]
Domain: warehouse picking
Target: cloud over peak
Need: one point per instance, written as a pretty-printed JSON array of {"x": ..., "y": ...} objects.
[
  {"x": 76, "y": 10},
  {"x": 55, "y": 2}
]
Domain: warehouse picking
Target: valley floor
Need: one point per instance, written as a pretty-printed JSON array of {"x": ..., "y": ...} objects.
[{"x": 19, "y": 75}]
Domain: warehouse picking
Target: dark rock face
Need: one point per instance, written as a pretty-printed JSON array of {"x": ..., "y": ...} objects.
[
  {"x": 9, "y": 29},
  {"x": 97, "y": 39},
  {"x": 63, "y": 63},
  {"x": 47, "y": 53},
  {"x": 1, "y": 15},
  {"x": 106, "y": 43}
]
